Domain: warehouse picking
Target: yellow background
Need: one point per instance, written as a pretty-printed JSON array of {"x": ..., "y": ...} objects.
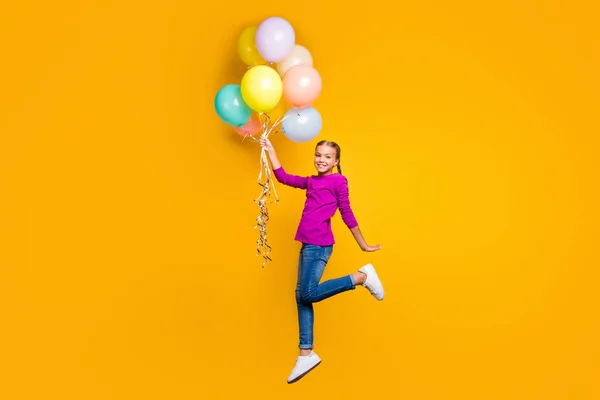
[{"x": 469, "y": 134}]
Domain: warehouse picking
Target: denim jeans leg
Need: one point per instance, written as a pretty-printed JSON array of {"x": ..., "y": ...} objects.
[
  {"x": 314, "y": 263},
  {"x": 311, "y": 266},
  {"x": 305, "y": 312}
]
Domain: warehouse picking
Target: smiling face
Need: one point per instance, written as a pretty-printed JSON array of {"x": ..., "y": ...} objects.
[{"x": 325, "y": 159}]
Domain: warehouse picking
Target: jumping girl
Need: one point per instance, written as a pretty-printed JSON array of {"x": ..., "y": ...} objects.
[{"x": 326, "y": 192}]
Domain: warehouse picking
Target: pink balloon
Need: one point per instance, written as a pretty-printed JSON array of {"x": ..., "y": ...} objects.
[
  {"x": 250, "y": 128},
  {"x": 301, "y": 85},
  {"x": 275, "y": 39}
]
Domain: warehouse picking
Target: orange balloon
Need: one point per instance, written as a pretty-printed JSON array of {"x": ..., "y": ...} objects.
[
  {"x": 250, "y": 128},
  {"x": 279, "y": 110},
  {"x": 301, "y": 85}
]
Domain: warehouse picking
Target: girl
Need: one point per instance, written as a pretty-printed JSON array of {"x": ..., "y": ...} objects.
[{"x": 325, "y": 193}]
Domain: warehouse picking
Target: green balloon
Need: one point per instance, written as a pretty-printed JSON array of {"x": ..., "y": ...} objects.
[{"x": 230, "y": 106}]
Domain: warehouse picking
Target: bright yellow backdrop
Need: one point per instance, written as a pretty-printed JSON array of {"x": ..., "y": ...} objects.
[{"x": 470, "y": 139}]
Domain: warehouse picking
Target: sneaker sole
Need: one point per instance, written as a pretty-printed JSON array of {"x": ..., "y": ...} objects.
[{"x": 296, "y": 379}]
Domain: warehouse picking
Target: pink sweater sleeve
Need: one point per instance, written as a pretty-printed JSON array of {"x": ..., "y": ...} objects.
[
  {"x": 343, "y": 200},
  {"x": 298, "y": 182}
]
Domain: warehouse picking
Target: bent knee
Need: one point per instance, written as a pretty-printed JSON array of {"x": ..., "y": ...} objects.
[{"x": 307, "y": 297}]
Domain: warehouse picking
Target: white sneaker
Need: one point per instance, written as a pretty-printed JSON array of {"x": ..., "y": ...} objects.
[
  {"x": 304, "y": 364},
  {"x": 373, "y": 284}
]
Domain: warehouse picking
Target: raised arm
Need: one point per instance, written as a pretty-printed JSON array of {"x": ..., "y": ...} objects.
[
  {"x": 299, "y": 182},
  {"x": 265, "y": 143},
  {"x": 348, "y": 216}
]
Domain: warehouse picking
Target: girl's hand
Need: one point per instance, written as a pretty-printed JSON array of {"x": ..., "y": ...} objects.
[
  {"x": 268, "y": 148},
  {"x": 265, "y": 143},
  {"x": 361, "y": 240},
  {"x": 371, "y": 248}
]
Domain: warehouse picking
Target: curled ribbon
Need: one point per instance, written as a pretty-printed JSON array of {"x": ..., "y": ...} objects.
[{"x": 265, "y": 180}]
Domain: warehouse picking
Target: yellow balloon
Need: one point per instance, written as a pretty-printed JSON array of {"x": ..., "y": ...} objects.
[
  {"x": 261, "y": 88},
  {"x": 247, "y": 47}
]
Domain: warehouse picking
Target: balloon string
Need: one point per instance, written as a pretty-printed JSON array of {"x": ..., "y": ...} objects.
[{"x": 263, "y": 248}]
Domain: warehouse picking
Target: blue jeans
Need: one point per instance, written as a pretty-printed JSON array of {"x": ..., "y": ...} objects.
[{"x": 311, "y": 265}]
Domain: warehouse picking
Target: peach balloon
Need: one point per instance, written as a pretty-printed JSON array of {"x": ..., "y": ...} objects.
[{"x": 301, "y": 85}]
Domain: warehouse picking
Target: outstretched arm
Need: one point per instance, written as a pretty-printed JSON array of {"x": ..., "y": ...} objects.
[
  {"x": 361, "y": 240},
  {"x": 348, "y": 217}
]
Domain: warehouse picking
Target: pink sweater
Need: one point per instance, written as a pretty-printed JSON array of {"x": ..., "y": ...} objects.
[{"x": 324, "y": 195}]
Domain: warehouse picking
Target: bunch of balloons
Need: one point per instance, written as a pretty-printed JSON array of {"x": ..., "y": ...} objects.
[{"x": 278, "y": 68}]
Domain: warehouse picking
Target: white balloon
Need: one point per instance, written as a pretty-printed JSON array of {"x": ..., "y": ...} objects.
[
  {"x": 302, "y": 124},
  {"x": 300, "y": 55}
]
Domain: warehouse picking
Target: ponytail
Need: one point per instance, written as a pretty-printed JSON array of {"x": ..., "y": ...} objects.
[{"x": 339, "y": 167}]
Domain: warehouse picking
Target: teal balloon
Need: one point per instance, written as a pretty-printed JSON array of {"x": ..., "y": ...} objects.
[{"x": 231, "y": 107}]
